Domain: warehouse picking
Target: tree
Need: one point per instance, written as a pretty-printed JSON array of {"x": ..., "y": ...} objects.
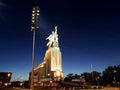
[
  {"x": 108, "y": 75},
  {"x": 111, "y": 75},
  {"x": 69, "y": 77}
]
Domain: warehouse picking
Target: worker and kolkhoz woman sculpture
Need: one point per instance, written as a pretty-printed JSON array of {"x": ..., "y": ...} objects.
[{"x": 53, "y": 39}]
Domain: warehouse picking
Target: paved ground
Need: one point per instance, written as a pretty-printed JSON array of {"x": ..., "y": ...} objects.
[
  {"x": 111, "y": 88},
  {"x": 107, "y": 88}
]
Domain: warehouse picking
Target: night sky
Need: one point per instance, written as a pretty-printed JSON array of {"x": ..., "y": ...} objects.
[{"x": 89, "y": 33}]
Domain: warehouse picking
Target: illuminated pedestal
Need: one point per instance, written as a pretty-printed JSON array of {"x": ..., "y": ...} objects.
[
  {"x": 50, "y": 70},
  {"x": 53, "y": 60}
]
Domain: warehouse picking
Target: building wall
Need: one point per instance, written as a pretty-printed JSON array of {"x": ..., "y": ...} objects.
[{"x": 5, "y": 78}]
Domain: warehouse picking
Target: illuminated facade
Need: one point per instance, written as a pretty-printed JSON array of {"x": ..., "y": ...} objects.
[{"x": 50, "y": 70}]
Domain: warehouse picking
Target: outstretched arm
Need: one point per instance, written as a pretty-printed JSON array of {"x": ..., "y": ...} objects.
[{"x": 56, "y": 29}]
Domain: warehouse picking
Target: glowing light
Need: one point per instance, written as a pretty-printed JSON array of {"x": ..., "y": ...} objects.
[
  {"x": 33, "y": 21},
  {"x": 8, "y": 74},
  {"x": 58, "y": 73},
  {"x": 38, "y": 11},
  {"x": 6, "y": 84},
  {"x": 33, "y": 15},
  {"x": 33, "y": 11},
  {"x": 38, "y": 14},
  {"x": 33, "y": 27}
]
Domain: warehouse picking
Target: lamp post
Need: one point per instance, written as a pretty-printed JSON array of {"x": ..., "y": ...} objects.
[{"x": 34, "y": 28}]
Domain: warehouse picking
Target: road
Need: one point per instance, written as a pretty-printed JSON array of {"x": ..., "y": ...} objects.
[{"x": 59, "y": 89}]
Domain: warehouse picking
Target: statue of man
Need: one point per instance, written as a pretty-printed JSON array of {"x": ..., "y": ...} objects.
[{"x": 53, "y": 38}]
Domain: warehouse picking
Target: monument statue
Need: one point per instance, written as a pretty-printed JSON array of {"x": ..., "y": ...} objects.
[
  {"x": 53, "y": 39},
  {"x": 52, "y": 63}
]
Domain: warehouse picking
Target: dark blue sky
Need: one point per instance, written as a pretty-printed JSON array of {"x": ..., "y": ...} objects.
[{"x": 89, "y": 33}]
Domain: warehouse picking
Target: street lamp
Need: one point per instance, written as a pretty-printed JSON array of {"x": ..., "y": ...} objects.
[{"x": 34, "y": 28}]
